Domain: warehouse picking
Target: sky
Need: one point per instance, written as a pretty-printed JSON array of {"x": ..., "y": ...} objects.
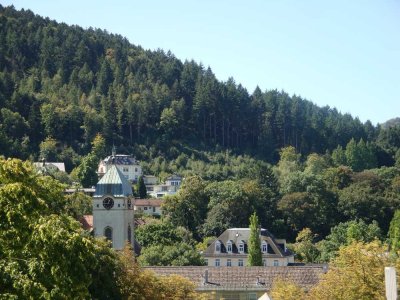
[{"x": 344, "y": 54}]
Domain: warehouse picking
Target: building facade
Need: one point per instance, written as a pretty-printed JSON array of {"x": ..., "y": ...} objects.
[
  {"x": 113, "y": 208},
  {"x": 156, "y": 190},
  {"x": 230, "y": 249},
  {"x": 128, "y": 165},
  {"x": 150, "y": 207}
]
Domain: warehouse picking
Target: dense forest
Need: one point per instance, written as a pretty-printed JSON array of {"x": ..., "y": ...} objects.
[
  {"x": 69, "y": 84},
  {"x": 69, "y": 94}
]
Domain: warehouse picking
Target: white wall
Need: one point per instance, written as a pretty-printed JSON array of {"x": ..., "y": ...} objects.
[{"x": 118, "y": 218}]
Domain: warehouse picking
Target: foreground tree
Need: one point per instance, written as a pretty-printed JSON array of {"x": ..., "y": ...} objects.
[
  {"x": 286, "y": 290},
  {"x": 44, "y": 253},
  {"x": 357, "y": 273},
  {"x": 255, "y": 255},
  {"x": 137, "y": 283},
  {"x": 394, "y": 232}
]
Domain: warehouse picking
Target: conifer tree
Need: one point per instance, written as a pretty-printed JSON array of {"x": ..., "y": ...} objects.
[
  {"x": 255, "y": 256},
  {"x": 141, "y": 188}
]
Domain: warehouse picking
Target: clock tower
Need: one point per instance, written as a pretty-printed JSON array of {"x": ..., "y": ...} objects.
[{"x": 113, "y": 208}]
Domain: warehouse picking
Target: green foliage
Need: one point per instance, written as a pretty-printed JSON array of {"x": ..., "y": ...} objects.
[
  {"x": 254, "y": 244},
  {"x": 44, "y": 253},
  {"x": 78, "y": 204},
  {"x": 394, "y": 233},
  {"x": 344, "y": 234},
  {"x": 141, "y": 188},
  {"x": 179, "y": 254},
  {"x": 305, "y": 248},
  {"x": 86, "y": 171},
  {"x": 188, "y": 207},
  {"x": 161, "y": 233}
]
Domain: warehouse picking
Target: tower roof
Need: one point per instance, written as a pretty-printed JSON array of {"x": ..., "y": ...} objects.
[{"x": 113, "y": 183}]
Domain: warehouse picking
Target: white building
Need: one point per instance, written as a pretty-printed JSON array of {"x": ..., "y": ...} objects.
[
  {"x": 150, "y": 207},
  {"x": 113, "y": 208},
  {"x": 230, "y": 249},
  {"x": 170, "y": 187},
  {"x": 127, "y": 164}
]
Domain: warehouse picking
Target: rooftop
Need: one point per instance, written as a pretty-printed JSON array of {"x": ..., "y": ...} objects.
[
  {"x": 113, "y": 183},
  {"x": 244, "y": 278},
  {"x": 148, "y": 202},
  {"x": 121, "y": 159}
]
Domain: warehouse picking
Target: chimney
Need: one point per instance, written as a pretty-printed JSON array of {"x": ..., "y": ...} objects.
[{"x": 205, "y": 277}]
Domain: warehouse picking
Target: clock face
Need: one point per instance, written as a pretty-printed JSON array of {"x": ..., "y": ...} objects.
[{"x": 108, "y": 203}]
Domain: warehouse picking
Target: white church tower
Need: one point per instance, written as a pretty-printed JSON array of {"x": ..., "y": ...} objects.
[{"x": 113, "y": 209}]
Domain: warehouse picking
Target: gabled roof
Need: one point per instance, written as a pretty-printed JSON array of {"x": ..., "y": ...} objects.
[
  {"x": 241, "y": 235},
  {"x": 243, "y": 278},
  {"x": 121, "y": 159},
  {"x": 113, "y": 183}
]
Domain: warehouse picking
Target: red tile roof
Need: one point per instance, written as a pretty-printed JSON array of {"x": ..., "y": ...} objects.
[
  {"x": 87, "y": 222},
  {"x": 148, "y": 202},
  {"x": 244, "y": 278}
]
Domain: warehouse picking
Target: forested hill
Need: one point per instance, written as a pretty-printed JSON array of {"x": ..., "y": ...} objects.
[{"x": 68, "y": 83}]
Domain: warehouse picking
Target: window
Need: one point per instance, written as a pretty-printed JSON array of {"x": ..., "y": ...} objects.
[
  {"x": 264, "y": 247},
  {"x": 154, "y": 209},
  {"x": 240, "y": 263},
  {"x": 125, "y": 169},
  {"x": 135, "y": 169},
  {"x": 253, "y": 296},
  {"x": 145, "y": 208},
  {"x": 217, "y": 246},
  {"x": 206, "y": 261},
  {"x": 108, "y": 233},
  {"x": 241, "y": 247},
  {"x": 129, "y": 234},
  {"x": 229, "y": 247},
  {"x": 217, "y": 262},
  {"x": 276, "y": 263},
  {"x": 150, "y": 189},
  {"x": 164, "y": 188},
  {"x": 264, "y": 263},
  {"x": 229, "y": 263}
]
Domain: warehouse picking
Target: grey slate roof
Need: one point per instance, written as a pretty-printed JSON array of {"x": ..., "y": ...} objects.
[
  {"x": 113, "y": 183},
  {"x": 243, "y": 278},
  {"x": 121, "y": 159},
  {"x": 238, "y": 235}
]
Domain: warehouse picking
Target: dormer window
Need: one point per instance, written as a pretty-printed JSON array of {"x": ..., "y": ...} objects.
[
  {"x": 264, "y": 247},
  {"x": 218, "y": 246},
  {"x": 241, "y": 247},
  {"x": 229, "y": 247}
]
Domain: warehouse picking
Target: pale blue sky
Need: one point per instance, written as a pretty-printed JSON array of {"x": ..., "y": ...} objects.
[{"x": 345, "y": 54}]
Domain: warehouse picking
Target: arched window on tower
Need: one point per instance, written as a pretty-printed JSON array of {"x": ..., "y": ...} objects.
[
  {"x": 108, "y": 233},
  {"x": 129, "y": 234}
]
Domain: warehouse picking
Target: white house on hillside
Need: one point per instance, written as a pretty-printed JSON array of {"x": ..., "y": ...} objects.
[
  {"x": 127, "y": 164},
  {"x": 230, "y": 249},
  {"x": 170, "y": 187}
]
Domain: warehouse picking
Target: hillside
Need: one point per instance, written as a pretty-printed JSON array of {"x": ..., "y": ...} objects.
[{"x": 68, "y": 83}]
